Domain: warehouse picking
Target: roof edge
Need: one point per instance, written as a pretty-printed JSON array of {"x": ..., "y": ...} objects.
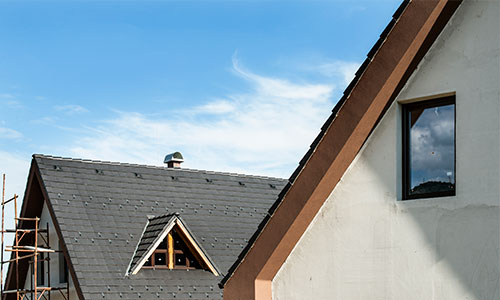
[
  {"x": 114, "y": 163},
  {"x": 399, "y": 11},
  {"x": 132, "y": 270},
  {"x": 62, "y": 243},
  {"x": 27, "y": 191},
  {"x": 201, "y": 251},
  {"x": 34, "y": 177}
]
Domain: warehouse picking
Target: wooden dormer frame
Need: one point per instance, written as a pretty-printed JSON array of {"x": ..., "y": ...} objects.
[
  {"x": 187, "y": 238},
  {"x": 170, "y": 253}
]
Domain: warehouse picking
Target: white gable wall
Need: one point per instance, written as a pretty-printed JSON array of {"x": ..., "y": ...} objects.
[
  {"x": 45, "y": 219},
  {"x": 365, "y": 243}
]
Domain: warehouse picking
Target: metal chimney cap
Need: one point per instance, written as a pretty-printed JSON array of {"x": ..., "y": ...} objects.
[{"x": 174, "y": 157}]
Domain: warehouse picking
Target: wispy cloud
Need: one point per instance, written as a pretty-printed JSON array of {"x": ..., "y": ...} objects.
[
  {"x": 44, "y": 120},
  {"x": 7, "y": 96},
  {"x": 41, "y": 98},
  {"x": 71, "y": 109},
  {"x": 282, "y": 88},
  {"x": 10, "y": 101},
  {"x": 7, "y": 133},
  {"x": 264, "y": 131},
  {"x": 339, "y": 68},
  {"x": 216, "y": 107}
]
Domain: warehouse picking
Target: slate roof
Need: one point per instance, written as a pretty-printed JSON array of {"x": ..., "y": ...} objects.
[{"x": 102, "y": 208}]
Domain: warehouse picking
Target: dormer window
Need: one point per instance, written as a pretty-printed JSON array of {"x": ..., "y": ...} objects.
[
  {"x": 166, "y": 243},
  {"x": 172, "y": 253}
]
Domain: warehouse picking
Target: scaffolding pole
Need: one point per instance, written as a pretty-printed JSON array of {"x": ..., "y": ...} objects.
[
  {"x": 3, "y": 232},
  {"x": 26, "y": 247}
]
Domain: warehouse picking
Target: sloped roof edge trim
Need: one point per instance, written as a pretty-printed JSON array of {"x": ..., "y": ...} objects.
[
  {"x": 397, "y": 14},
  {"x": 204, "y": 256}
]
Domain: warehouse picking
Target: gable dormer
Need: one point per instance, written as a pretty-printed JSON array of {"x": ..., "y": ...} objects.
[{"x": 167, "y": 243}]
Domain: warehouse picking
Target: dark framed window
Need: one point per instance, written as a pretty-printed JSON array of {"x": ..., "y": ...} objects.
[
  {"x": 429, "y": 148},
  {"x": 40, "y": 269},
  {"x": 63, "y": 267}
]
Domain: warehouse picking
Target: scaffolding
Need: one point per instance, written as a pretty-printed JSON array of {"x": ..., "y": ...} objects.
[{"x": 31, "y": 245}]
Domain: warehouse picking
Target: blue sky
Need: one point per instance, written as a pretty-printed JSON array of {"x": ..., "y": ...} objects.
[{"x": 240, "y": 86}]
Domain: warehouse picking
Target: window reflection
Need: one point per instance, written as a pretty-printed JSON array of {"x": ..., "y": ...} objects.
[{"x": 430, "y": 148}]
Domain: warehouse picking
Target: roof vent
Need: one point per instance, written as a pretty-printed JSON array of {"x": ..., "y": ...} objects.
[{"x": 174, "y": 160}]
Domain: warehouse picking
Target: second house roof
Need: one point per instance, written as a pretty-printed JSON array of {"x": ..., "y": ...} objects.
[{"x": 102, "y": 208}]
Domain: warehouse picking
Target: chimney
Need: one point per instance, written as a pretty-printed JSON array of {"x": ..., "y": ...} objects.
[{"x": 174, "y": 160}]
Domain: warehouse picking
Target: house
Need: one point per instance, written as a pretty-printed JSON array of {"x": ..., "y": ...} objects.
[
  {"x": 398, "y": 197},
  {"x": 120, "y": 231}
]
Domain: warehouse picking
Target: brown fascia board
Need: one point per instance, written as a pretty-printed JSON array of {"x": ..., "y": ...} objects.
[
  {"x": 32, "y": 207},
  {"x": 395, "y": 59}
]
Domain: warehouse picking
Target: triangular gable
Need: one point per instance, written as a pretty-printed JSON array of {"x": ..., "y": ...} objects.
[
  {"x": 156, "y": 231},
  {"x": 35, "y": 197},
  {"x": 391, "y": 61}
]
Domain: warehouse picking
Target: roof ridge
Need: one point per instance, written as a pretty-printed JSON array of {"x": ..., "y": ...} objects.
[
  {"x": 116, "y": 163},
  {"x": 151, "y": 217}
]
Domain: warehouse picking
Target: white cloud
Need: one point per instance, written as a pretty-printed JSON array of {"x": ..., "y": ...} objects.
[
  {"x": 264, "y": 131},
  {"x": 71, "y": 109},
  {"x": 339, "y": 68},
  {"x": 216, "y": 107},
  {"x": 8, "y": 133},
  {"x": 282, "y": 88}
]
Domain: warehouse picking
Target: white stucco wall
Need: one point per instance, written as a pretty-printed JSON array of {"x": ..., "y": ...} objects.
[
  {"x": 54, "y": 261},
  {"x": 365, "y": 243}
]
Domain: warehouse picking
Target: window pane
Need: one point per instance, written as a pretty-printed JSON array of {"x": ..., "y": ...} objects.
[
  {"x": 40, "y": 272},
  {"x": 178, "y": 244},
  {"x": 180, "y": 259},
  {"x": 63, "y": 268},
  {"x": 431, "y": 149},
  {"x": 163, "y": 244},
  {"x": 183, "y": 256},
  {"x": 193, "y": 263},
  {"x": 160, "y": 259}
]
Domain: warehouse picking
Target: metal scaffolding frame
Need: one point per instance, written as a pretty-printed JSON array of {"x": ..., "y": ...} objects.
[{"x": 35, "y": 254}]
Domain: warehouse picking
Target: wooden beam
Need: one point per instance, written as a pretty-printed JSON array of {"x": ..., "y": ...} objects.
[{"x": 170, "y": 247}]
